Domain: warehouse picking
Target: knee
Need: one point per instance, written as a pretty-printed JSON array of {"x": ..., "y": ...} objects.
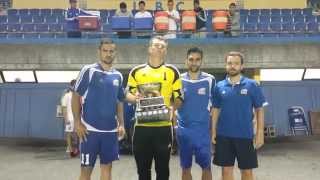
[
  {"x": 186, "y": 171},
  {"x": 247, "y": 173},
  {"x": 227, "y": 171}
]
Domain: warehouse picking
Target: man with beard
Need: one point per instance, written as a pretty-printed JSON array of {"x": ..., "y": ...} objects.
[
  {"x": 98, "y": 112},
  {"x": 152, "y": 139},
  {"x": 232, "y": 127},
  {"x": 193, "y": 129}
]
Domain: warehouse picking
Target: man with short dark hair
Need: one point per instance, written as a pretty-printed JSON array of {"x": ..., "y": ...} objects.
[
  {"x": 98, "y": 112},
  {"x": 232, "y": 127},
  {"x": 142, "y": 13},
  {"x": 193, "y": 129},
  {"x": 233, "y": 28},
  {"x": 123, "y": 12}
]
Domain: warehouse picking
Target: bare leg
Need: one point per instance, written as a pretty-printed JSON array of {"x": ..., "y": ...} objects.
[
  {"x": 85, "y": 173},
  {"x": 186, "y": 174},
  {"x": 106, "y": 171},
  {"x": 206, "y": 174},
  {"x": 247, "y": 174},
  {"x": 227, "y": 173}
]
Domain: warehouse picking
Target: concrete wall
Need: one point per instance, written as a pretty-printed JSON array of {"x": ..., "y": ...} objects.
[{"x": 72, "y": 56}]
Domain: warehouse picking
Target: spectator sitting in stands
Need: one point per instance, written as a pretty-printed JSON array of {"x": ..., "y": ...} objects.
[
  {"x": 201, "y": 19},
  {"x": 233, "y": 28},
  {"x": 123, "y": 12},
  {"x": 3, "y": 11},
  {"x": 142, "y": 13},
  {"x": 174, "y": 19},
  {"x": 72, "y": 19}
]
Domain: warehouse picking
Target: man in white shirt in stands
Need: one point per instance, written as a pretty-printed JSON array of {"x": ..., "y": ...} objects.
[
  {"x": 142, "y": 13},
  {"x": 174, "y": 19}
]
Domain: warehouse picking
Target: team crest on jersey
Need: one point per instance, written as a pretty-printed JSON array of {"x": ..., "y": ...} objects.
[
  {"x": 244, "y": 91},
  {"x": 202, "y": 91},
  {"x": 223, "y": 92},
  {"x": 116, "y": 82}
]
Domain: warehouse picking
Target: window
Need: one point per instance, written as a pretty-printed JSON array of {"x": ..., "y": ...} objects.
[
  {"x": 56, "y": 76},
  {"x": 281, "y": 74}
]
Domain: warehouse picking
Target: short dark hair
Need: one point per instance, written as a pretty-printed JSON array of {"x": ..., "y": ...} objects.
[
  {"x": 123, "y": 5},
  {"x": 195, "y": 50},
  {"x": 142, "y": 2},
  {"x": 235, "y": 53},
  {"x": 170, "y": 1},
  {"x": 70, "y": 1},
  {"x": 73, "y": 82},
  {"x": 105, "y": 41},
  {"x": 232, "y": 4},
  {"x": 196, "y": 2}
]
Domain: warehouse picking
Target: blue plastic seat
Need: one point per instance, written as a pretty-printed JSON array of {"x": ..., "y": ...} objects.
[
  {"x": 244, "y": 12},
  {"x": 46, "y": 35},
  {"x": 45, "y": 12},
  {"x": 311, "y": 19},
  {"x": 26, "y": 19},
  {"x": 31, "y": 35},
  {"x": 264, "y": 19},
  {"x": 104, "y": 13},
  {"x": 250, "y": 27},
  {"x": 143, "y": 23},
  {"x": 15, "y": 35},
  {"x": 300, "y": 27},
  {"x": 3, "y": 19},
  {"x": 307, "y": 11},
  {"x": 276, "y": 19},
  {"x": 296, "y": 11},
  {"x": 23, "y": 12},
  {"x": 254, "y": 12},
  {"x": 275, "y": 27},
  {"x": 55, "y": 28},
  {"x": 265, "y": 12},
  {"x": 298, "y": 19},
  {"x": 12, "y": 12},
  {"x": 286, "y": 12},
  {"x": 14, "y": 27},
  {"x": 313, "y": 27},
  {"x": 28, "y": 28},
  {"x": 38, "y": 19},
  {"x": 58, "y": 12},
  {"x": 42, "y": 28},
  {"x": 287, "y": 19},
  {"x": 288, "y": 27},
  {"x": 111, "y": 12},
  {"x": 51, "y": 19},
  {"x": 13, "y": 19},
  {"x": 243, "y": 19},
  {"x": 34, "y": 12},
  {"x": 262, "y": 27},
  {"x": 275, "y": 12},
  {"x": 3, "y": 27},
  {"x": 252, "y": 19}
]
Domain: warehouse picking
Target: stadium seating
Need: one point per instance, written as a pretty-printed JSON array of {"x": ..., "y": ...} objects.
[{"x": 50, "y": 23}]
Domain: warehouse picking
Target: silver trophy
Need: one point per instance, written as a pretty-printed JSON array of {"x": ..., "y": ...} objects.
[{"x": 151, "y": 108}]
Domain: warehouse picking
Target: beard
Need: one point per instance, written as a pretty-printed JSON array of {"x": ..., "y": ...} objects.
[
  {"x": 233, "y": 73},
  {"x": 107, "y": 60},
  {"x": 194, "y": 69}
]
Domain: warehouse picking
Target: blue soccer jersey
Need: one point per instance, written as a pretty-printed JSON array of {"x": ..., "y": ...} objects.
[
  {"x": 100, "y": 90},
  {"x": 195, "y": 110},
  {"x": 236, "y": 103}
]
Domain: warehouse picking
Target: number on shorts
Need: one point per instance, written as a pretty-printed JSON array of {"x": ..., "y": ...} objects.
[{"x": 85, "y": 159}]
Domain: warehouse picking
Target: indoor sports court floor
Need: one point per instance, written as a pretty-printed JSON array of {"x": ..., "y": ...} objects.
[{"x": 285, "y": 160}]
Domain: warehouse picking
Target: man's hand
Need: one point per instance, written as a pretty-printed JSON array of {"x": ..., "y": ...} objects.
[
  {"x": 121, "y": 132},
  {"x": 259, "y": 140},
  {"x": 81, "y": 131},
  {"x": 213, "y": 136}
]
